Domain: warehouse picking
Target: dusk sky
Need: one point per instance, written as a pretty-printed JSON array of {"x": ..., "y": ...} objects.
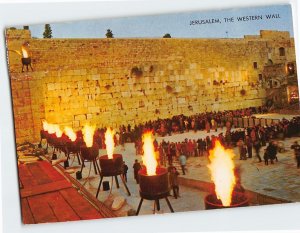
[{"x": 178, "y": 25}]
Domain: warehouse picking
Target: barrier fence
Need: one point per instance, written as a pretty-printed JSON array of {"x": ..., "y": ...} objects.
[{"x": 239, "y": 122}]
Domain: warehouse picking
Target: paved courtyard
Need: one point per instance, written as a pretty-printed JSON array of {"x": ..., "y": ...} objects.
[
  {"x": 278, "y": 180},
  {"x": 190, "y": 199}
]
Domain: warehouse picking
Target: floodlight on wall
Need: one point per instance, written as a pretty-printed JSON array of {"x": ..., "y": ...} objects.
[{"x": 290, "y": 68}]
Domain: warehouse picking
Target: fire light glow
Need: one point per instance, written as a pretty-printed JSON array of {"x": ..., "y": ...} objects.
[
  {"x": 70, "y": 133},
  {"x": 88, "y": 135},
  {"x": 58, "y": 131},
  {"x": 52, "y": 128},
  {"x": 222, "y": 172},
  {"x": 109, "y": 142},
  {"x": 149, "y": 158}
]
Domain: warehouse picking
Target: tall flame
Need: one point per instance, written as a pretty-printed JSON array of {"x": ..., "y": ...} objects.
[
  {"x": 24, "y": 52},
  {"x": 88, "y": 135},
  {"x": 52, "y": 128},
  {"x": 45, "y": 126},
  {"x": 70, "y": 133},
  {"x": 149, "y": 158},
  {"x": 222, "y": 172},
  {"x": 58, "y": 131},
  {"x": 109, "y": 142}
]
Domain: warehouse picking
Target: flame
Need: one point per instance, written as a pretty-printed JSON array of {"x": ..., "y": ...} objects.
[
  {"x": 52, "y": 128},
  {"x": 222, "y": 172},
  {"x": 109, "y": 142},
  {"x": 24, "y": 52},
  {"x": 70, "y": 133},
  {"x": 149, "y": 158},
  {"x": 88, "y": 135},
  {"x": 45, "y": 126},
  {"x": 58, "y": 131}
]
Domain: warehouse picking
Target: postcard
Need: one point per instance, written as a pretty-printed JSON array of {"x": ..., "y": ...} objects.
[{"x": 155, "y": 114}]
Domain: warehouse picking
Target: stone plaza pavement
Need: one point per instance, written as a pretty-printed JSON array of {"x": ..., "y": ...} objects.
[
  {"x": 190, "y": 199},
  {"x": 279, "y": 180}
]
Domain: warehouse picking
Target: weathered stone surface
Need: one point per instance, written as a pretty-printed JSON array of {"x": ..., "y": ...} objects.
[{"x": 73, "y": 78}]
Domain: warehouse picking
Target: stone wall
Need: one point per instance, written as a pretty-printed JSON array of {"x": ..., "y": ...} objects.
[{"x": 109, "y": 82}]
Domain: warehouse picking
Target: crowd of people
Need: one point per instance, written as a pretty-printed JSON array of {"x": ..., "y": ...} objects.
[
  {"x": 247, "y": 140},
  {"x": 181, "y": 123}
]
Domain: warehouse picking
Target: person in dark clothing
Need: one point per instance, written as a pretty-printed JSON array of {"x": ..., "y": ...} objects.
[
  {"x": 270, "y": 153},
  {"x": 228, "y": 138},
  {"x": 248, "y": 143},
  {"x": 296, "y": 148},
  {"x": 173, "y": 150},
  {"x": 125, "y": 170},
  {"x": 170, "y": 159},
  {"x": 174, "y": 181},
  {"x": 136, "y": 167},
  {"x": 266, "y": 157},
  {"x": 257, "y": 147}
]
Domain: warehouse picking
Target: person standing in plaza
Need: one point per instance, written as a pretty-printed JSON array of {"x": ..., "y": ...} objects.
[
  {"x": 242, "y": 149},
  {"x": 190, "y": 148},
  {"x": 208, "y": 144},
  {"x": 296, "y": 148},
  {"x": 195, "y": 148},
  {"x": 248, "y": 143},
  {"x": 125, "y": 170},
  {"x": 174, "y": 181},
  {"x": 136, "y": 167},
  {"x": 228, "y": 138},
  {"x": 270, "y": 153},
  {"x": 200, "y": 146},
  {"x": 213, "y": 124},
  {"x": 207, "y": 126},
  {"x": 257, "y": 147},
  {"x": 182, "y": 162}
]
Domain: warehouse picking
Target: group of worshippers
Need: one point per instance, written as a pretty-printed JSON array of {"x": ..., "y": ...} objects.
[
  {"x": 181, "y": 123},
  {"x": 247, "y": 140}
]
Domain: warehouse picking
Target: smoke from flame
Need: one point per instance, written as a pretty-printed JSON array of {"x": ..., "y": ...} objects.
[
  {"x": 222, "y": 172},
  {"x": 109, "y": 142},
  {"x": 149, "y": 158},
  {"x": 70, "y": 133},
  {"x": 88, "y": 135}
]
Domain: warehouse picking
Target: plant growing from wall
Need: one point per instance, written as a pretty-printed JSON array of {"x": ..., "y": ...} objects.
[
  {"x": 243, "y": 92},
  {"x": 107, "y": 87},
  {"x": 48, "y": 31},
  {"x": 216, "y": 83},
  {"x": 169, "y": 89},
  {"x": 137, "y": 72},
  {"x": 109, "y": 34}
]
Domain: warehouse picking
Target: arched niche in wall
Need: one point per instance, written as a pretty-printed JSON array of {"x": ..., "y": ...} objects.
[{"x": 281, "y": 51}]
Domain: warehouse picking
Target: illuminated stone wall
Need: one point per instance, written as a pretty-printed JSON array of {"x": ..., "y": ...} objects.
[{"x": 109, "y": 82}]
